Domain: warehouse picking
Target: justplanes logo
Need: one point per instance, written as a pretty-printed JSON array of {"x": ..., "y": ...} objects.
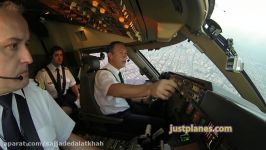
[{"x": 199, "y": 129}]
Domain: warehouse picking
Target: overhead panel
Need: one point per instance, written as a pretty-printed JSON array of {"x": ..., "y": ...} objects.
[{"x": 108, "y": 16}]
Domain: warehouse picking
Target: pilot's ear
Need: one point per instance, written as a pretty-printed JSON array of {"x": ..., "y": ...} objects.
[{"x": 109, "y": 55}]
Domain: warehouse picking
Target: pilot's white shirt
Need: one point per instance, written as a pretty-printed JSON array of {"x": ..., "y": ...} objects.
[
  {"x": 103, "y": 80},
  {"x": 51, "y": 122},
  {"x": 44, "y": 79}
]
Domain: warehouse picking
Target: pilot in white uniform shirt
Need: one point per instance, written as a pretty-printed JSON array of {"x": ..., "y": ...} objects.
[
  {"x": 45, "y": 81},
  {"x": 51, "y": 122},
  {"x": 103, "y": 80}
]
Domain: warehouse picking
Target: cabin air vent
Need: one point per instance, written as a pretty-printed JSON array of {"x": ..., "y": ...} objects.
[{"x": 81, "y": 35}]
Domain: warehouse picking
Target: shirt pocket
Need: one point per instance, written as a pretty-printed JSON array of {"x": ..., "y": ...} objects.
[{"x": 47, "y": 137}]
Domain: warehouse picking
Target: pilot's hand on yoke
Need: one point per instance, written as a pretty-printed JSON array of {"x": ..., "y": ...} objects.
[{"x": 163, "y": 89}]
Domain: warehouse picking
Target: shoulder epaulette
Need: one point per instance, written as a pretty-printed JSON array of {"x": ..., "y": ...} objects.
[
  {"x": 66, "y": 68},
  {"x": 39, "y": 84},
  {"x": 42, "y": 70}
]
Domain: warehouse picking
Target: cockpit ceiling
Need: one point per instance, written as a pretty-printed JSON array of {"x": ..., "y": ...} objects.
[
  {"x": 111, "y": 16},
  {"x": 138, "y": 20}
]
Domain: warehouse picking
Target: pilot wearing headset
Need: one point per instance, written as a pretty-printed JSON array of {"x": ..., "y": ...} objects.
[{"x": 28, "y": 115}]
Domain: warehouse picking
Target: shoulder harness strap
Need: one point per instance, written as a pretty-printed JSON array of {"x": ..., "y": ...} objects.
[
  {"x": 50, "y": 75},
  {"x": 64, "y": 79},
  {"x": 111, "y": 72},
  {"x": 53, "y": 80}
]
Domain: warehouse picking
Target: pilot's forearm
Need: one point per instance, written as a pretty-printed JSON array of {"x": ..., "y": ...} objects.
[
  {"x": 75, "y": 91},
  {"x": 162, "y": 89},
  {"x": 129, "y": 91}
]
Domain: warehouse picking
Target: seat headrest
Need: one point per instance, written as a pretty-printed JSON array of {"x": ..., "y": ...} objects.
[{"x": 91, "y": 63}]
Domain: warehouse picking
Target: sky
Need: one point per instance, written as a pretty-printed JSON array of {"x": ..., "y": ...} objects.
[{"x": 245, "y": 22}]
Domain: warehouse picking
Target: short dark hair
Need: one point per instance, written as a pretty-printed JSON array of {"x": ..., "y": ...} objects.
[
  {"x": 111, "y": 46},
  {"x": 11, "y": 6},
  {"x": 56, "y": 48}
]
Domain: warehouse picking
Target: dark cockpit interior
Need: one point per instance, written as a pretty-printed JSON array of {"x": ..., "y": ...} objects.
[{"x": 83, "y": 27}]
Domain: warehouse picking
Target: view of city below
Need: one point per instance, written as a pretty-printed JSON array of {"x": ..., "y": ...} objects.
[{"x": 184, "y": 58}]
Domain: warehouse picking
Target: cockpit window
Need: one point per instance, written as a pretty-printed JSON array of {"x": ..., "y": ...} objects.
[
  {"x": 186, "y": 59},
  {"x": 243, "y": 21}
]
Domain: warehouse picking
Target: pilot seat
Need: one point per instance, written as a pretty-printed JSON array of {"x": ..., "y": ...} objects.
[{"x": 91, "y": 115}]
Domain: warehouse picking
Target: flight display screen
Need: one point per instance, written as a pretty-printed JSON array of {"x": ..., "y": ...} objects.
[{"x": 201, "y": 121}]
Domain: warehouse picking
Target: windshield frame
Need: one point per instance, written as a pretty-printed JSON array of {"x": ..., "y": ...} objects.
[
  {"x": 213, "y": 30},
  {"x": 216, "y": 54}
]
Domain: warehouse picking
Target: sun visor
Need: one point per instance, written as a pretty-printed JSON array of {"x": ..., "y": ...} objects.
[{"x": 166, "y": 31}]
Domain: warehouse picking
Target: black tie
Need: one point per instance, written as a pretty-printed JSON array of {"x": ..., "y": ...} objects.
[
  {"x": 121, "y": 78},
  {"x": 58, "y": 81},
  {"x": 10, "y": 127},
  {"x": 26, "y": 122}
]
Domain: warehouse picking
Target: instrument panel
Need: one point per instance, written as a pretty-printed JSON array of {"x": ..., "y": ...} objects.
[
  {"x": 201, "y": 121},
  {"x": 190, "y": 88},
  {"x": 192, "y": 91}
]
